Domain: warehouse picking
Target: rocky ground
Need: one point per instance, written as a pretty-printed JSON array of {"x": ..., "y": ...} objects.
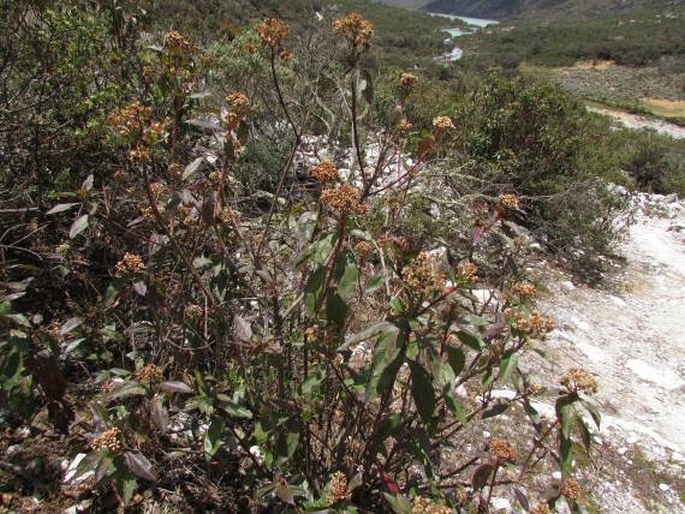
[{"x": 630, "y": 333}]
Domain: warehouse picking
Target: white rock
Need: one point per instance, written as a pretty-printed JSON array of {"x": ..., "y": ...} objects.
[
  {"x": 556, "y": 475},
  {"x": 664, "y": 487},
  {"x": 486, "y": 434},
  {"x": 501, "y": 504}
]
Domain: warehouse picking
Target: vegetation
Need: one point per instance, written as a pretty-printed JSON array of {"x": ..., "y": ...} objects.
[
  {"x": 635, "y": 38},
  {"x": 261, "y": 273}
]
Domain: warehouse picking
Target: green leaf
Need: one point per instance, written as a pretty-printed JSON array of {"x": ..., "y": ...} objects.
[
  {"x": 495, "y": 410},
  {"x": 313, "y": 291},
  {"x": 214, "y": 438},
  {"x": 323, "y": 249},
  {"x": 366, "y": 334},
  {"x": 456, "y": 359},
  {"x": 565, "y": 454},
  {"x": 593, "y": 412},
  {"x": 78, "y": 226},
  {"x": 389, "y": 426},
  {"x": 19, "y": 319},
  {"x": 347, "y": 283},
  {"x": 508, "y": 365},
  {"x": 126, "y": 390},
  {"x": 398, "y": 503},
  {"x": 336, "y": 309},
  {"x": 566, "y": 413},
  {"x": 385, "y": 352},
  {"x": 124, "y": 481},
  {"x": 470, "y": 340},
  {"x": 422, "y": 390},
  {"x": 396, "y": 305},
  {"x": 374, "y": 283},
  {"x": 235, "y": 410},
  {"x": 454, "y": 406},
  {"x": 313, "y": 382},
  {"x": 585, "y": 434}
]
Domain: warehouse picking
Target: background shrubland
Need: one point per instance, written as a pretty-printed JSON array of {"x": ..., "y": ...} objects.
[{"x": 263, "y": 272}]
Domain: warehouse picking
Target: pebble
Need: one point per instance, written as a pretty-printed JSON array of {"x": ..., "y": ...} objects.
[
  {"x": 499, "y": 504},
  {"x": 664, "y": 487}
]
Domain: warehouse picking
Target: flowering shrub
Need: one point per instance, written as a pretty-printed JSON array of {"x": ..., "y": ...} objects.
[{"x": 320, "y": 343}]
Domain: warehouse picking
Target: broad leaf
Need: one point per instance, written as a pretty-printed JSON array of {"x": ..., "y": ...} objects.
[
  {"x": 61, "y": 207},
  {"x": 78, "y": 226},
  {"x": 140, "y": 466},
  {"x": 481, "y": 476},
  {"x": 470, "y": 340},
  {"x": 70, "y": 325},
  {"x": 214, "y": 438},
  {"x": 174, "y": 386},
  {"x": 422, "y": 390}
]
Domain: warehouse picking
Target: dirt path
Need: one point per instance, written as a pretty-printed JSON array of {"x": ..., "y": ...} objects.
[
  {"x": 638, "y": 122},
  {"x": 631, "y": 336}
]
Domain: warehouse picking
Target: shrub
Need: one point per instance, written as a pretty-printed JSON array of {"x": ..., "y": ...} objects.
[{"x": 304, "y": 345}]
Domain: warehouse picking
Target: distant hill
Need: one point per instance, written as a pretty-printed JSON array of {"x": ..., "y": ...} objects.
[{"x": 499, "y": 9}]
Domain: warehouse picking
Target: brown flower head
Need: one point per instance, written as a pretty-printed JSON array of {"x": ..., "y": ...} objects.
[
  {"x": 339, "y": 490},
  {"x": 272, "y": 32},
  {"x": 130, "y": 118},
  {"x": 571, "y": 489},
  {"x": 502, "y": 451},
  {"x": 577, "y": 379},
  {"x": 408, "y": 81},
  {"x": 442, "y": 124},
  {"x": 325, "y": 171},
  {"x": 139, "y": 154},
  {"x": 507, "y": 202},
  {"x": 535, "y": 325},
  {"x": 524, "y": 290},
  {"x": 286, "y": 55},
  {"x": 363, "y": 249},
  {"x": 148, "y": 373},
  {"x": 193, "y": 311},
  {"x": 176, "y": 43},
  {"x": 540, "y": 508},
  {"x": 423, "y": 274},
  {"x": 356, "y": 29},
  {"x": 344, "y": 199},
  {"x": 467, "y": 271},
  {"x": 423, "y": 505},
  {"x": 130, "y": 264},
  {"x": 110, "y": 439},
  {"x": 404, "y": 126}
]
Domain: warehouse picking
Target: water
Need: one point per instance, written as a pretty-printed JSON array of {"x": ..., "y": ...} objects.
[{"x": 472, "y": 25}]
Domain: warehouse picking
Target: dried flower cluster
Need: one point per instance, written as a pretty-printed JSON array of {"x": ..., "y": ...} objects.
[
  {"x": 155, "y": 132},
  {"x": 130, "y": 119},
  {"x": 339, "y": 491},
  {"x": 467, "y": 271},
  {"x": 423, "y": 274},
  {"x": 443, "y": 124},
  {"x": 524, "y": 290},
  {"x": 577, "y": 379},
  {"x": 239, "y": 108},
  {"x": 110, "y": 439},
  {"x": 272, "y": 32},
  {"x": 130, "y": 264},
  {"x": 571, "y": 489},
  {"x": 408, "y": 81},
  {"x": 228, "y": 215},
  {"x": 176, "y": 43},
  {"x": 344, "y": 199},
  {"x": 404, "y": 126},
  {"x": 148, "y": 373},
  {"x": 507, "y": 201},
  {"x": 356, "y": 29},
  {"x": 325, "y": 171},
  {"x": 541, "y": 508},
  {"x": 535, "y": 325},
  {"x": 363, "y": 249},
  {"x": 194, "y": 311},
  {"x": 423, "y": 505},
  {"x": 502, "y": 451}
]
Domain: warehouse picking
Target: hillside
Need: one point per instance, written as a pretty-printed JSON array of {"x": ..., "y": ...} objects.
[{"x": 531, "y": 8}]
